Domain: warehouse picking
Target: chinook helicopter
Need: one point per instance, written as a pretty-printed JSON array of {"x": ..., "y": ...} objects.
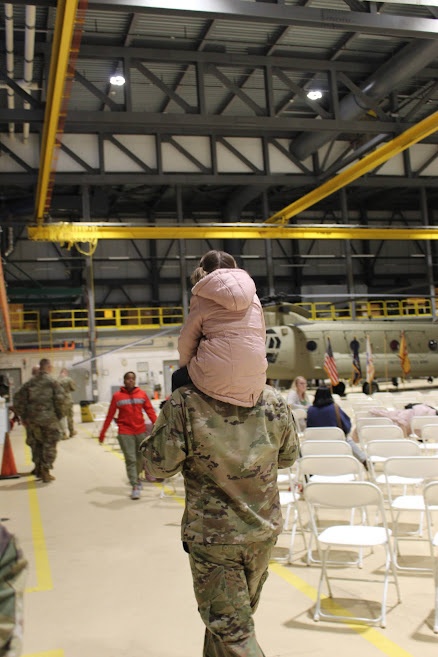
[{"x": 296, "y": 346}]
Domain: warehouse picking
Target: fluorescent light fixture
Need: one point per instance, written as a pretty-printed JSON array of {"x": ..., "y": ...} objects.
[
  {"x": 314, "y": 95},
  {"x": 118, "y": 257},
  {"x": 117, "y": 80},
  {"x": 47, "y": 259},
  {"x": 417, "y": 255}
]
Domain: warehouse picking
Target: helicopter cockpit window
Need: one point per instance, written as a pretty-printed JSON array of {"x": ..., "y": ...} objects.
[
  {"x": 433, "y": 345},
  {"x": 394, "y": 345},
  {"x": 311, "y": 345}
]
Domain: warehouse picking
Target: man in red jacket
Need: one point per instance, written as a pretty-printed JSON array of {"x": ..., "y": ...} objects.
[{"x": 130, "y": 402}]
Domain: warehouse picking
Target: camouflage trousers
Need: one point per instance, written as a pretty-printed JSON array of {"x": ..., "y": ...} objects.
[
  {"x": 228, "y": 581},
  {"x": 46, "y": 438},
  {"x": 69, "y": 419},
  {"x": 134, "y": 460},
  {"x": 30, "y": 440}
]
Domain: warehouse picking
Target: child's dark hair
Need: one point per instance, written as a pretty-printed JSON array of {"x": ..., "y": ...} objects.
[{"x": 209, "y": 262}]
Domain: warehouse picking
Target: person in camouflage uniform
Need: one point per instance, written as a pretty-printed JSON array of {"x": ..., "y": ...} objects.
[
  {"x": 68, "y": 386},
  {"x": 229, "y": 456},
  {"x": 13, "y": 568},
  {"x": 41, "y": 406},
  {"x": 19, "y": 402}
]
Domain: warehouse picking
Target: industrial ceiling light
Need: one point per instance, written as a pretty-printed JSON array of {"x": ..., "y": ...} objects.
[
  {"x": 117, "y": 80},
  {"x": 314, "y": 95}
]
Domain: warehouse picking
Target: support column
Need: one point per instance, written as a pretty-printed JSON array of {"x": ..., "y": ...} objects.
[
  {"x": 182, "y": 254},
  {"x": 348, "y": 258},
  {"x": 428, "y": 249},
  {"x": 268, "y": 251},
  {"x": 91, "y": 301}
]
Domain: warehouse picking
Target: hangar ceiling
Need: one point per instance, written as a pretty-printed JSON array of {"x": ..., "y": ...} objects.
[{"x": 214, "y": 126}]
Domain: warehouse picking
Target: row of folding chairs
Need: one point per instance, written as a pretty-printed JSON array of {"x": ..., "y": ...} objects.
[{"x": 337, "y": 481}]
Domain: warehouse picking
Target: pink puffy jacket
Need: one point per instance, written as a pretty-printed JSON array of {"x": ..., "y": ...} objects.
[{"x": 223, "y": 340}]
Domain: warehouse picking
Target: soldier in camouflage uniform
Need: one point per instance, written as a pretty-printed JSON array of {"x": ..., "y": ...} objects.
[
  {"x": 229, "y": 456},
  {"x": 41, "y": 407},
  {"x": 68, "y": 386},
  {"x": 13, "y": 569},
  {"x": 19, "y": 406}
]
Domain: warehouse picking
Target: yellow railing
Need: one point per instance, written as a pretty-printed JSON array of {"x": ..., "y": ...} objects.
[
  {"x": 391, "y": 309},
  {"x": 124, "y": 319},
  {"x": 132, "y": 319}
]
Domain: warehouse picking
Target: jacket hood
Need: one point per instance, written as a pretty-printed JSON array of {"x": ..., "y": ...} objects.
[{"x": 233, "y": 289}]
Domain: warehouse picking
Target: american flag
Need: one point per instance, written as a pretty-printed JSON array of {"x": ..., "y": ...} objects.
[
  {"x": 330, "y": 365},
  {"x": 403, "y": 355},
  {"x": 357, "y": 370},
  {"x": 370, "y": 362}
]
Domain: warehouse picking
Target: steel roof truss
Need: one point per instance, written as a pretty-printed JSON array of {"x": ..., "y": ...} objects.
[
  {"x": 286, "y": 152},
  {"x": 76, "y": 158},
  {"x": 163, "y": 87},
  {"x": 18, "y": 160},
  {"x": 106, "y": 100},
  {"x": 301, "y": 93},
  {"x": 239, "y": 155},
  {"x": 129, "y": 154},
  {"x": 167, "y": 139},
  {"x": 28, "y": 98}
]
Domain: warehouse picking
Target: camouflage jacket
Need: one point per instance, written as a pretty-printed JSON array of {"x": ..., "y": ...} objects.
[
  {"x": 229, "y": 456},
  {"x": 69, "y": 386},
  {"x": 41, "y": 400},
  {"x": 13, "y": 570}
]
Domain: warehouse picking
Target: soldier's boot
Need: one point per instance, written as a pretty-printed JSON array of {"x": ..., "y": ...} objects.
[{"x": 46, "y": 477}]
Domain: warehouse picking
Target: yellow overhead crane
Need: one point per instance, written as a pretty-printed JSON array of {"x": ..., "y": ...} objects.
[
  {"x": 275, "y": 226},
  {"x": 71, "y": 233}
]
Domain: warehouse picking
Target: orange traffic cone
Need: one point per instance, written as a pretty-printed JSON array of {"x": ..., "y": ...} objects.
[{"x": 9, "y": 469}]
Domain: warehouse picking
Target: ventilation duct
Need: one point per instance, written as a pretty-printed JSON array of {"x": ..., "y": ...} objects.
[{"x": 398, "y": 70}]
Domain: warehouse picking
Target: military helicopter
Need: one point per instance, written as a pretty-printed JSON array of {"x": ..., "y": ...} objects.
[{"x": 296, "y": 345}]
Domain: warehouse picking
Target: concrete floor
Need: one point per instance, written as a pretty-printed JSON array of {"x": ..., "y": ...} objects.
[{"x": 108, "y": 577}]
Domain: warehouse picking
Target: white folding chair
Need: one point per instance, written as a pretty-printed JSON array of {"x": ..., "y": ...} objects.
[
  {"x": 371, "y": 422},
  {"x": 378, "y": 451},
  {"x": 429, "y": 438},
  {"x": 328, "y": 468},
  {"x": 289, "y": 499},
  {"x": 348, "y": 496},
  {"x": 323, "y": 433},
  {"x": 300, "y": 415},
  {"x": 379, "y": 432},
  {"x": 419, "y": 421},
  {"x": 415, "y": 470},
  {"x": 318, "y": 447},
  {"x": 431, "y": 504}
]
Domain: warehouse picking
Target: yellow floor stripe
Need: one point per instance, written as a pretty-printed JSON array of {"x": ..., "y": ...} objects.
[
  {"x": 370, "y": 634},
  {"x": 42, "y": 566}
]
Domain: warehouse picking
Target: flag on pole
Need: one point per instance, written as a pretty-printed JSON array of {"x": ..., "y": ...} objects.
[
  {"x": 330, "y": 365},
  {"x": 357, "y": 370},
  {"x": 370, "y": 363},
  {"x": 404, "y": 356}
]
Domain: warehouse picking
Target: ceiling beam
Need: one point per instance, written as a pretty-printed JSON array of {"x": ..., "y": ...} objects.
[
  {"x": 62, "y": 38},
  {"x": 382, "y": 154},
  {"x": 70, "y": 233},
  {"x": 280, "y": 14}
]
